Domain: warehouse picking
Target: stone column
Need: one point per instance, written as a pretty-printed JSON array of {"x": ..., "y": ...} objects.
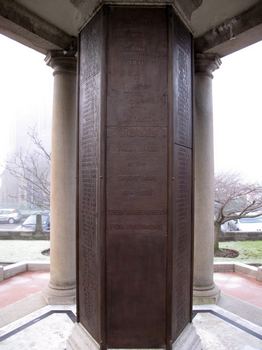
[
  {"x": 205, "y": 290},
  {"x": 61, "y": 288}
]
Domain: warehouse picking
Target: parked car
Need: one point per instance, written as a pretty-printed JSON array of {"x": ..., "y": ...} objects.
[
  {"x": 250, "y": 224},
  {"x": 10, "y": 216},
  {"x": 30, "y": 223},
  {"x": 244, "y": 224},
  {"x": 230, "y": 226}
]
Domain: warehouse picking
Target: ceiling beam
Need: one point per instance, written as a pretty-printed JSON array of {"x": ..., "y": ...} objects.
[
  {"x": 24, "y": 26},
  {"x": 237, "y": 27}
]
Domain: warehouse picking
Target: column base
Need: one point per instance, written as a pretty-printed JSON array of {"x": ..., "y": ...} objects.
[
  {"x": 56, "y": 296},
  {"x": 205, "y": 295},
  {"x": 188, "y": 339},
  {"x": 80, "y": 339}
]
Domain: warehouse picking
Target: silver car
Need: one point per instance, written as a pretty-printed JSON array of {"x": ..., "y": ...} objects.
[
  {"x": 10, "y": 216},
  {"x": 30, "y": 223}
]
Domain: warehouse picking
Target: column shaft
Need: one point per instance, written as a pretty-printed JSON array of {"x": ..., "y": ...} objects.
[
  {"x": 204, "y": 289},
  {"x": 63, "y": 181}
]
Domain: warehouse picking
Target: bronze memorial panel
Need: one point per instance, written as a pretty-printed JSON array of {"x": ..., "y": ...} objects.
[
  {"x": 182, "y": 173},
  {"x": 137, "y": 117},
  {"x": 89, "y": 158},
  {"x": 135, "y": 177},
  {"x": 182, "y": 248},
  {"x": 182, "y": 79}
]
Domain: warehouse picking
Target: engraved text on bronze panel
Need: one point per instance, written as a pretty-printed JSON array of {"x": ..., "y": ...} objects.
[
  {"x": 136, "y": 177},
  {"x": 182, "y": 236},
  {"x": 89, "y": 124},
  {"x": 182, "y": 81}
]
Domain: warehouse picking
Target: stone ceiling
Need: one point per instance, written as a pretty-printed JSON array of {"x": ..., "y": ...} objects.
[{"x": 51, "y": 24}]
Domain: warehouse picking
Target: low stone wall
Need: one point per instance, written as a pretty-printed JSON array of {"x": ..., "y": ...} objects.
[
  {"x": 24, "y": 235},
  {"x": 246, "y": 269},
  {"x": 23, "y": 266},
  {"x": 240, "y": 236}
]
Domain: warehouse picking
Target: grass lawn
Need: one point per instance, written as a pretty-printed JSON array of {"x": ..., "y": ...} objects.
[
  {"x": 15, "y": 250},
  {"x": 249, "y": 251}
]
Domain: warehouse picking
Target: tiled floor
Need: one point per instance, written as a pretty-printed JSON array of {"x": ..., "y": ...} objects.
[
  {"x": 240, "y": 286},
  {"x": 219, "y": 333},
  {"x": 50, "y": 327},
  {"x": 45, "y": 329},
  {"x": 21, "y": 286}
]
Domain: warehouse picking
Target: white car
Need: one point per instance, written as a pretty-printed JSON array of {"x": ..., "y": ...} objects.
[
  {"x": 249, "y": 224},
  {"x": 10, "y": 216},
  {"x": 229, "y": 226}
]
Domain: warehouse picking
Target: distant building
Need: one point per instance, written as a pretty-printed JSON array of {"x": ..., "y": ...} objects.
[
  {"x": 15, "y": 192},
  {"x": 11, "y": 194}
]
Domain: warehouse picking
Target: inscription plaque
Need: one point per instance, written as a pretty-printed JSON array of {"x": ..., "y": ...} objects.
[
  {"x": 89, "y": 158},
  {"x": 182, "y": 184},
  {"x": 182, "y": 79},
  {"x": 135, "y": 155},
  {"x": 182, "y": 238},
  {"x": 137, "y": 132}
]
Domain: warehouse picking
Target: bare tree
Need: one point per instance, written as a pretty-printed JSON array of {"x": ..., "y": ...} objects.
[
  {"x": 234, "y": 200},
  {"x": 32, "y": 169}
]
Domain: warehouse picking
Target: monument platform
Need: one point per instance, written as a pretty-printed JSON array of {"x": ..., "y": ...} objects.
[{"x": 50, "y": 327}]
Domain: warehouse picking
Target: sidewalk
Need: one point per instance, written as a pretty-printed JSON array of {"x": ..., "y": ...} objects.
[
  {"x": 231, "y": 283},
  {"x": 240, "y": 286},
  {"x": 21, "y": 286}
]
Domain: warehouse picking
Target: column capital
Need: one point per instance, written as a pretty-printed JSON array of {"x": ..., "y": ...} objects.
[
  {"x": 207, "y": 63},
  {"x": 61, "y": 61}
]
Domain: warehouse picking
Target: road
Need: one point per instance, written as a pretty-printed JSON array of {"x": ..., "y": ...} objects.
[{"x": 8, "y": 227}]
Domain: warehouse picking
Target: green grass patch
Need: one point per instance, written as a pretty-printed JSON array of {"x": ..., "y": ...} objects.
[
  {"x": 15, "y": 251},
  {"x": 249, "y": 251}
]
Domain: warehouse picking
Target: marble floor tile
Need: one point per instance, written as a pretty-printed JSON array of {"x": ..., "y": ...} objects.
[
  {"x": 218, "y": 334},
  {"x": 49, "y": 333}
]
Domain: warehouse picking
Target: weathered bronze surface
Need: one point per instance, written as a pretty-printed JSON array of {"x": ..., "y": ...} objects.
[
  {"x": 135, "y": 145},
  {"x": 89, "y": 239},
  {"x": 136, "y": 183},
  {"x": 182, "y": 173}
]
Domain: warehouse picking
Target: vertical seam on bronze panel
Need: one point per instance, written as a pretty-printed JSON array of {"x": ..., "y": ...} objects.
[
  {"x": 101, "y": 189},
  {"x": 104, "y": 236},
  {"x": 192, "y": 173},
  {"x": 77, "y": 177},
  {"x": 98, "y": 192},
  {"x": 169, "y": 250}
]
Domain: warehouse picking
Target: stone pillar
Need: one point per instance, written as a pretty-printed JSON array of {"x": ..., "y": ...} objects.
[
  {"x": 61, "y": 288},
  {"x": 205, "y": 290}
]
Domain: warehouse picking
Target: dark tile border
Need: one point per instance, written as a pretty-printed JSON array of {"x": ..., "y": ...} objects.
[
  {"x": 226, "y": 319},
  {"x": 72, "y": 317},
  {"x": 69, "y": 313}
]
